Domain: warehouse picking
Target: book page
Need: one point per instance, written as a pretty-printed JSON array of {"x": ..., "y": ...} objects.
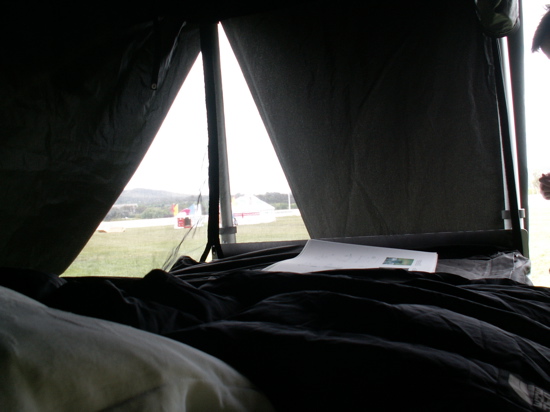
[{"x": 319, "y": 255}]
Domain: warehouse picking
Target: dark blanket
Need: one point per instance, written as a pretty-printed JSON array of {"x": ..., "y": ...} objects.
[{"x": 344, "y": 340}]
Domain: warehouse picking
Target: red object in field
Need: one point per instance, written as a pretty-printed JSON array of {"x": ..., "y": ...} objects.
[{"x": 184, "y": 222}]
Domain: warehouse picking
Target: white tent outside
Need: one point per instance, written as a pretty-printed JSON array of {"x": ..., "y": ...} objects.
[{"x": 249, "y": 210}]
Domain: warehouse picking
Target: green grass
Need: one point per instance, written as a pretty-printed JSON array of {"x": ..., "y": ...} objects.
[{"x": 136, "y": 251}]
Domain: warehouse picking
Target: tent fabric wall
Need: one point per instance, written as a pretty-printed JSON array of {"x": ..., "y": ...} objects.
[
  {"x": 383, "y": 114},
  {"x": 79, "y": 111}
]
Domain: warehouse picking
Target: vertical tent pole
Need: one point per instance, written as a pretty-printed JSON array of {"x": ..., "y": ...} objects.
[
  {"x": 517, "y": 69},
  {"x": 508, "y": 152},
  {"x": 218, "y": 171}
]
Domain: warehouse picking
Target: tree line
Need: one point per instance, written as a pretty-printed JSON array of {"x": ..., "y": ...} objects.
[{"x": 154, "y": 204}]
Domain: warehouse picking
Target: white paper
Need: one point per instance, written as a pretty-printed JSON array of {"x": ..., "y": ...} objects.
[{"x": 319, "y": 255}]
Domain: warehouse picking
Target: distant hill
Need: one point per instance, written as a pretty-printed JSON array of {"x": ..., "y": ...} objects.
[
  {"x": 164, "y": 199},
  {"x": 150, "y": 203},
  {"x": 151, "y": 196}
]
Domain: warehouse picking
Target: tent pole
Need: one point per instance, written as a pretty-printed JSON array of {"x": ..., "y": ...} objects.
[
  {"x": 506, "y": 139},
  {"x": 515, "y": 44},
  {"x": 216, "y": 127}
]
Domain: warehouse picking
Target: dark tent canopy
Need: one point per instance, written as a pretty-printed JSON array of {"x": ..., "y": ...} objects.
[{"x": 387, "y": 117}]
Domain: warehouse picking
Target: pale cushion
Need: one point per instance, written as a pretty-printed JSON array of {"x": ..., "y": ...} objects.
[{"x": 51, "y": 360}]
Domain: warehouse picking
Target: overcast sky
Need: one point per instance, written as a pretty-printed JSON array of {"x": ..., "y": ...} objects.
[
  {"x": 537, "y": 93},
  {"x": 177, "y": 160}
]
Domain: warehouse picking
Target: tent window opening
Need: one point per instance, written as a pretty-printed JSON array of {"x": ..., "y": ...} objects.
[{"x": 167, "y": 198}]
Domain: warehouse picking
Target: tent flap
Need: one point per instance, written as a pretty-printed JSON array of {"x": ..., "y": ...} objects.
[
  {"x": 78, "y": 118},
  {"x": 389, "y": 127}
]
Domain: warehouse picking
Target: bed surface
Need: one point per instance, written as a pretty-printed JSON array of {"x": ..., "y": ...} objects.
[{"x": 376, "y": 339}]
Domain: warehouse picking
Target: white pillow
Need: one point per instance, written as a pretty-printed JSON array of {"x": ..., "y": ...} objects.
[{"x": 51, "y": 360}]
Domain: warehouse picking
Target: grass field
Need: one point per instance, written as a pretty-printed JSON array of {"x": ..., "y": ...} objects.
[{"x": 135, "y": 252}]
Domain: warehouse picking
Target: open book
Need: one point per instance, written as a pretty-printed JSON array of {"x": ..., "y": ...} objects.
[{"x": 319, "y": 255}]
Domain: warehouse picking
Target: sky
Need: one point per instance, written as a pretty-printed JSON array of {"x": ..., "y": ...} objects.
[
  {"x": 177, "y": 160},
  {"x": 537, "y": 91}
]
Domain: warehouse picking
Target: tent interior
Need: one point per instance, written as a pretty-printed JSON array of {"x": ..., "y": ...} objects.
[
  {"x": 410, "y": 126},
  {"x": 397, "y": 124}
]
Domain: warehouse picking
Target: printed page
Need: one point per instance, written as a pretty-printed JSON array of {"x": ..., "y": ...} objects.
[{"x": 319, "y": 255}]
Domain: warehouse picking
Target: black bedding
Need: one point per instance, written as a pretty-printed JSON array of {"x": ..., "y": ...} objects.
[{"x": 376, "y": 339}]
